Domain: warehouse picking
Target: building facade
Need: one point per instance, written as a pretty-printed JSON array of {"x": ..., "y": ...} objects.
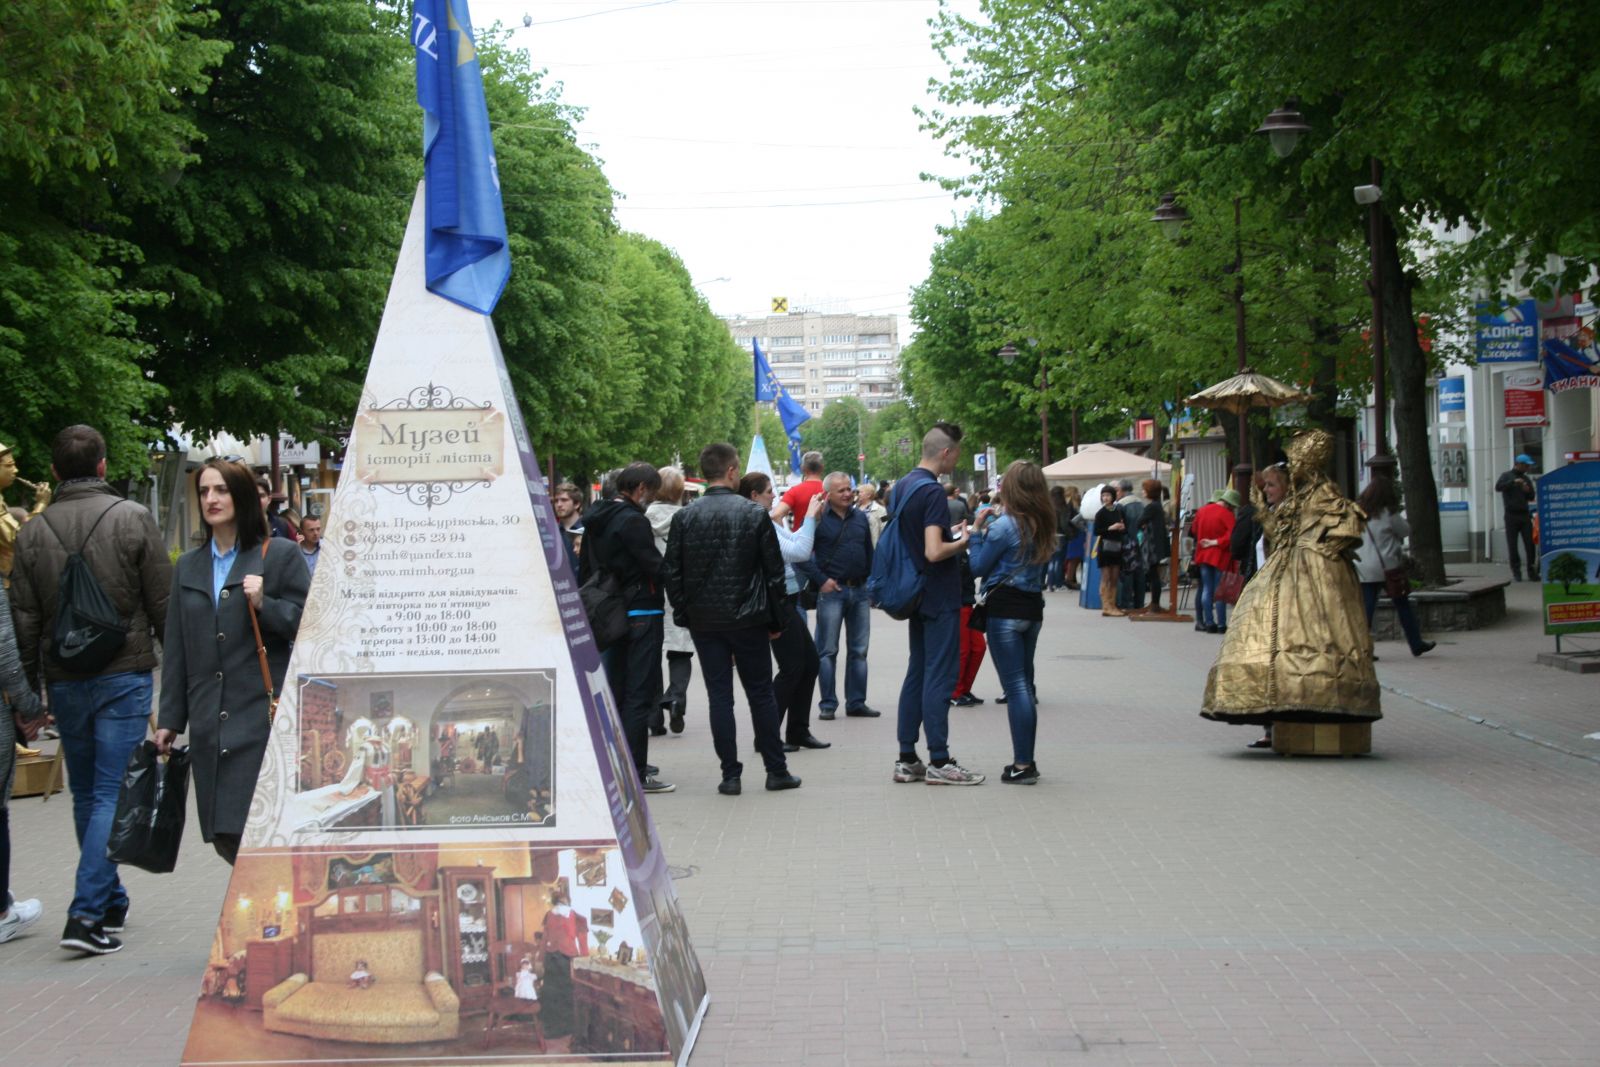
[{"x": 820, "y": 357}]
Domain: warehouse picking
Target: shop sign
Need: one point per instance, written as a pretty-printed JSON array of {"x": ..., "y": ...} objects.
[
  {"x": 1452, "y": 395},
  {"x": 1507, "y": 334},
  {"x": 1525, "y": 398},
  {"x": 1569, "y": 548}
]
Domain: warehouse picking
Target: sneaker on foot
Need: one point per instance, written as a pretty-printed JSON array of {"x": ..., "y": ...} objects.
[
  {"x": 952, "y": 773},
  {"x": 116, "y": 920},
  {"x": 653, "y": 784},
  {"x": 915, "y": 771},
  {"x": 80, "y": 936},
  {"x": 20, "y": 915},
  {"x": 1029, "y": 775}
]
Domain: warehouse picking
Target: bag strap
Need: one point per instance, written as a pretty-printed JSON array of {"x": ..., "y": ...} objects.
[
  {"x": 261, "y": 646},
  {"x": 95, "y": 526}
]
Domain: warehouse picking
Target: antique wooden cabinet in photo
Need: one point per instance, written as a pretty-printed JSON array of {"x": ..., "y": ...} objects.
[{"x": 467, "y": 898}]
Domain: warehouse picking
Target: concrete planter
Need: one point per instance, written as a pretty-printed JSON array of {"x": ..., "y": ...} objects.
[{"x": 1464, "y": 604}]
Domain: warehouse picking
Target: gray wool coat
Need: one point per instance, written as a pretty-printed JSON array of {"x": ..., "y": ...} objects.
[
  {"x": 19, "y": 698},
  {"x": 211, "y": 683}
]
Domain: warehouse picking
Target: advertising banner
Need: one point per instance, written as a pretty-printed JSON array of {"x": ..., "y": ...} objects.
[
  {"x": 449, "y": 858},
  {"x": 1569, "y": 548},
  {"x": 1453, "y": 466},
  {"x": 1524, "y": 391},
  {"x": 1507, "y": 334},
  {"x": 1452, "y": 395}
]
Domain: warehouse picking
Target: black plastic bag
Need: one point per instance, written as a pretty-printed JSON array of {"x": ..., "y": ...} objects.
[{"x": 150, "y": 810}]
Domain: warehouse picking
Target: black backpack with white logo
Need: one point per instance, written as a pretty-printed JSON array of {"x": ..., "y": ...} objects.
[{"x": 89, "y": 631}]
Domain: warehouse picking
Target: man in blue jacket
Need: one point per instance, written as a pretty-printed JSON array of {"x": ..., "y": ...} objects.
[{"x": 839, "y": 566}]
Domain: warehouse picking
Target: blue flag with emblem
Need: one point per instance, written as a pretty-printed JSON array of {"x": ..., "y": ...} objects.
[
  {"x": 468, "y": 260},
  {"x": 767, "y": 385}
]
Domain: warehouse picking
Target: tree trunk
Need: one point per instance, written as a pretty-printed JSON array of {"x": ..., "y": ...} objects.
[{"x": 1408, "y": 379}]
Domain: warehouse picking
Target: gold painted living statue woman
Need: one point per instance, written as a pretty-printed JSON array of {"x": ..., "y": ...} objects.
[{"x": 1298, "y": 648}]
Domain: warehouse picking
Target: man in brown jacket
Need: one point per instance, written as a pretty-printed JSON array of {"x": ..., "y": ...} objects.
[{"x": 103, "y": 716}]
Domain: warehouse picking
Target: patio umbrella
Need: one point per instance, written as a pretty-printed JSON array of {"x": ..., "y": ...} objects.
[{"x": 1247, "y": 390}]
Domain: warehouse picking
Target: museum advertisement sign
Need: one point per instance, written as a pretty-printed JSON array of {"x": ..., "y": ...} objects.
[{"x": 448, "y": 858}]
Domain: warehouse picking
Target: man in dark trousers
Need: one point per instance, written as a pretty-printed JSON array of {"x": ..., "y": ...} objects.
[
  {"x": 723, "y": 573},
  {"x": 841, "y": 560},
  {"x": 1517, "y": 494},
  {"x": 935, "y": 627},
  {"x": 618, "y": 540},
  {"x": 102, "y": 716}
]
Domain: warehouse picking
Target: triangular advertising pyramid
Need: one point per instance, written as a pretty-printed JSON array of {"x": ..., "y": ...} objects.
[{"x": 448, "y": 859}]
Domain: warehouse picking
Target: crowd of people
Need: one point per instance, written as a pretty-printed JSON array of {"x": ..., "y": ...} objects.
[{"x": 753, "y": 585}]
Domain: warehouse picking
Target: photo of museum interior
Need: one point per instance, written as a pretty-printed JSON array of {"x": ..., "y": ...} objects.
[
  {"x": 424, "y": 750},
  {"x": 429, "y": 950}
]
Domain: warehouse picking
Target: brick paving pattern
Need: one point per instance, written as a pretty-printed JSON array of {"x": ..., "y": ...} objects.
[{"x": 1162, "y": 897}]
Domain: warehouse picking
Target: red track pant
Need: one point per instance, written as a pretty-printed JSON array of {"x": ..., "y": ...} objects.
[{"x": 973, "y": 646}]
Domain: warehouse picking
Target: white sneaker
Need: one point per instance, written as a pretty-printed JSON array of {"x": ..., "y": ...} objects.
[
  {"x": 22, "y": 914},
  {"x": 952, "y": 773}
]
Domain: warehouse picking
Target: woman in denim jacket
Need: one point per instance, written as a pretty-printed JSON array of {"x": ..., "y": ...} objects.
[{"x": 1011, "y": 553}]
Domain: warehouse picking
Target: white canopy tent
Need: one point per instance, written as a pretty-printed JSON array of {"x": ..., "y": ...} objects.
[{"x": 1094, "y": 464}]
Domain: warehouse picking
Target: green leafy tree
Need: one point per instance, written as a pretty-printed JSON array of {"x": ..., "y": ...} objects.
[
  {"x": 90, "y": 112},
  {"x": 275, "y": 250},
  {"x": 837, "y": 433},
  {"x": 1568, "y": 570}
]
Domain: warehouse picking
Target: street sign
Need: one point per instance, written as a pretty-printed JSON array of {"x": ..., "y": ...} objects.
[
  {"x": 1452, "y": 395},
  {"x": 1569, "y": 548},
  {"x": 980, "y": 461},
  {"x": 1508, "y": 334},
  {"x": 780, "y": 305}
]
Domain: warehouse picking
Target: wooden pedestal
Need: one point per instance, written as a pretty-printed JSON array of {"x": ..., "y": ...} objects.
[
  {"x": 38, "y": 776},
  {"x": 1322, "y": 738}
]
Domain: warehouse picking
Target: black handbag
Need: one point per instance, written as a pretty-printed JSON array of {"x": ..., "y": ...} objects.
[
  {"x": 606, "y": 607},
  {"x": 151, "y": 805}
]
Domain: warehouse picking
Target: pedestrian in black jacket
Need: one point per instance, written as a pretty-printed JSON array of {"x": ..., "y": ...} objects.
[
  {"x": 619, "y": 541},
  {"x": 723, "y": 574}
]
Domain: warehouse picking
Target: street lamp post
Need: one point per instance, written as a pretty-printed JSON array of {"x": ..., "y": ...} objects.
[
  {"x": 1372, "y": 196},
  {"x": 1009, "y": 354}
]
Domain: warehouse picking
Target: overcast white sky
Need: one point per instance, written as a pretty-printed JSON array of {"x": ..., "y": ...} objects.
[{"x": 771, "y": 143}]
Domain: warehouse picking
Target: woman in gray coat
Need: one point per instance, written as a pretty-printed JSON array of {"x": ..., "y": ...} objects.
[
  {"x": 15, "y": 915},
  {"x": 211, "y": 684}
]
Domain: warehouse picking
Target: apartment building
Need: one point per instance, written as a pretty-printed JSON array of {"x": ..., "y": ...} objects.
[{"x": 821, "y": 357}]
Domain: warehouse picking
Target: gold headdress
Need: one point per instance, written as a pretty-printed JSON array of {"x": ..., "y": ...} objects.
[{"x": 1309, "y": 453}]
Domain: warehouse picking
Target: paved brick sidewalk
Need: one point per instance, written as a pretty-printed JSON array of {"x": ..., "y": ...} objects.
[{"x": 1163, "y": 897}]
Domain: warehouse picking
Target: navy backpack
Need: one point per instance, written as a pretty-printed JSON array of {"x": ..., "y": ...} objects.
[{"x": 897, "y": 574}]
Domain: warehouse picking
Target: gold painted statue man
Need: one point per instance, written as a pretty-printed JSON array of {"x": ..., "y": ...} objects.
[
  {"x": 11, "y": 519},
  {"x": 1298, "y": 648}
]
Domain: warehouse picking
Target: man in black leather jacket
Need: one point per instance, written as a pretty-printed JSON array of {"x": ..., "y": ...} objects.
[{"x": 723, "y": 575}]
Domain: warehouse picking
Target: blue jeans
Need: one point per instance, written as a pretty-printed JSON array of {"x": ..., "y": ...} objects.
[
  {"x": 1011, "y": 644},
  {"x": 846, "y": 608},
  {"x": 1055, "y": 576},
  {"x": 931, "y": 670},
  {"x": 1209, "y": 577},
  {"x": 1402, "y": 610},
  {"x": 101, "y": 721}
]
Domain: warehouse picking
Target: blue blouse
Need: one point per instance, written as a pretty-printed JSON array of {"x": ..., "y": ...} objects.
[
  {"x": 997, "y": 555},
  {"x": 221, "y": 567}
]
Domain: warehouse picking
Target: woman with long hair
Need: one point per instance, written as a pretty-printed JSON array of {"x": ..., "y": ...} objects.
[
  {"x": 1111, "y": 536},
  {"x": 239, "y": 580},
  {"x": 794, "y": 648},
  {"x": 1383, "y": 547},
  {"x": 1011, "y": 553}
]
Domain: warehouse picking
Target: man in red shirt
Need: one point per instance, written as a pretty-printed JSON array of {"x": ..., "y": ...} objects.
[{"x": 797, "y": 498}]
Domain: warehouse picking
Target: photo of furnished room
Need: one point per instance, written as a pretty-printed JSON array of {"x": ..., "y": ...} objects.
[
  {"x": 410, "y": 750},
  {"x": 456, "y": 952}
]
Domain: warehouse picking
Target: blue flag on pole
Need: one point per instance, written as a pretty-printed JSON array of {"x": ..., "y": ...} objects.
[
  {"x": 767, "y": 385},
  {"x": 468, "y": 260}
]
